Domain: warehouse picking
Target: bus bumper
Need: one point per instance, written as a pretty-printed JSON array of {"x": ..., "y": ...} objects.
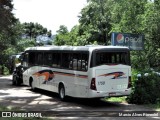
[{"x": 100, "y": 94}]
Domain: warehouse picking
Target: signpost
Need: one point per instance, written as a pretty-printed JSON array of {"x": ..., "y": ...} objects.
[{"x": 132, "y": 41}]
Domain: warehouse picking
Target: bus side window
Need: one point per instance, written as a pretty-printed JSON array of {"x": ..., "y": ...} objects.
[
  {"x": 75, "y": 64},
  {"x": 66, "y": 60},
  {"x": 84, "y": 62},
  {"x": 79, "y": 61},
  {"x": 39, "y": 58},
  {"x": 25, "y": 60},
  {"x": 76, "y": 61},
  {"x": 48, "y": 59},
  {"x": 118, "y": 57},
  {"x": 56, "y": 58},
  {"x": 32, "y": 58}
]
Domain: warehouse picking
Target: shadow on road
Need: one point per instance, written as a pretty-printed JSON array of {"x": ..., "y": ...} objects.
[
  {"x": 24, "y": 98},
  {"x": 85, "y": 103},
  {"x": 6, "y": 84}
]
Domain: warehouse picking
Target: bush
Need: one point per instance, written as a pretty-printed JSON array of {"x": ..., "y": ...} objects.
[
  {"x": 4, "y": 70},
  {"x": 146, "y": 89}
]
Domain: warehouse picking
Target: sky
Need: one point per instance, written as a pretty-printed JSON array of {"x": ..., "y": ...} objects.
[{"x": 49, "y": 13}]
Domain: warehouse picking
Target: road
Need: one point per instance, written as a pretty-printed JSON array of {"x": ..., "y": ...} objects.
[{"x": 22, "y": 98}]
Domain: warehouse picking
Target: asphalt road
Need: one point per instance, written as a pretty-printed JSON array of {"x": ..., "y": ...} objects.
[{"x": 22, "y": 98}]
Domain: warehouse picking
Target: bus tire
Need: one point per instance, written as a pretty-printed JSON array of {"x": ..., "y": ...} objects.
[
  {"x": 62, "y": 92},
  {"x": 31, "y": 84},
  {"x": 16, "y": 81}
]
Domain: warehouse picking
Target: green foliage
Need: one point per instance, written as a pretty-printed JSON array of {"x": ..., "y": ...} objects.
[
  {"x": 140, "y": 17},
  {"x": 94, "y": 26},
  {"x": 116, "y": 99},
  {"x": 68, "y": 38},
  {"x": 7, "y": 22},
  {"x": 146, "y": 90},
  {"x": 4, "y": 70},
  {"x": 62, "y": 30},
  {"x": 63, "y": 36},
  {"x": 95, "y": 21},
  {"x": 128, "y": 17},
  {"x": 7, "y": 18},
  {"x": 24, "y": 43},
  {"x": 34, "y": 29}
]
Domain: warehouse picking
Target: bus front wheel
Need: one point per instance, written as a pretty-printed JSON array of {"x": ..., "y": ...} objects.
[
  {"x": 16, "y": 80},
  {"x": 32, "y": 84},
  {"x": 62, "y": 92}
]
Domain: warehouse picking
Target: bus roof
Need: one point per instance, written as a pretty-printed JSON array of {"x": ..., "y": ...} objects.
[{"x": 75, "y": 48}]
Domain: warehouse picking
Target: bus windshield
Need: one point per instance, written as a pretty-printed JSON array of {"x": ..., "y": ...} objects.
[{"x": 110, "y": 58}]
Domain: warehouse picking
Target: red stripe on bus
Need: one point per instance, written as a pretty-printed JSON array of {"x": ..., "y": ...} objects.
[{"x": 70, "y": 74}]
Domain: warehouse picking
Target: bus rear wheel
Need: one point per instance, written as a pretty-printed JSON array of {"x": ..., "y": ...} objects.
[{"x": 62, "y": 92}]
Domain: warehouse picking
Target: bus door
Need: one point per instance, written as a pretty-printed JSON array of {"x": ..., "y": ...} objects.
[
  {"x": 29, "y": 66},
  {"x": 25, "y": 69}
]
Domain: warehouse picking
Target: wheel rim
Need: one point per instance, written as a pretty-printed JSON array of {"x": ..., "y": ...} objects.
[{"x": 62, "y": 93}]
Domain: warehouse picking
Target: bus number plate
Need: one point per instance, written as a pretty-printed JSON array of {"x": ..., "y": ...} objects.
[
  {"x": 101, "y": 83},
  {"x": 123, "y": 86}
]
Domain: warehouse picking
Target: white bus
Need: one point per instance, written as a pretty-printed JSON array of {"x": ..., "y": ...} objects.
[{"x": 79, "y": 71}]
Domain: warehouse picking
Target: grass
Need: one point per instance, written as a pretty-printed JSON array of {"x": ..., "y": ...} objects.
[
  {"x": 116, "y": 99},
  {"x": 2, "y": 108},
  {"x": 156, "y": 107}
]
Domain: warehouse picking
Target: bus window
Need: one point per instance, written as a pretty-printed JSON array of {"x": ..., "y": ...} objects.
[
  {"x": 111, "y": 58},
  {"x": 39, "y": 58},
  {"x": 48, "y": 59},
  {"x": 32, "y": 58},
  {"x": 56, "y": 59},
  {"x": 76, "y": 61},
  {"x": 79, "y": 62},
  {"x": 84, "y": 62},
  {"x": 25, "y": 60},
  {"x": 66, "y": 58}
]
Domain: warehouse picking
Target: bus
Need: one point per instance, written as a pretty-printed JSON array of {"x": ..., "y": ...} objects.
[{"x": 78, "y": 71}]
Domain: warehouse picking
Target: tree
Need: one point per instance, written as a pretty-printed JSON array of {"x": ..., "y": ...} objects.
[
  {"x": 95, "y": 21},
  {"x": 7, "y": 20},
  {"x": 34, "y": 29},
  {"x": 140, "y": 17},
  {"x": 7, "y": 29},
  {"x": 62, "y": 29},
  {"x": 128, "y": 17},
  {"x": 6, "y": 15},
  {"x": 152, "y": 28},
  {"x": 101, "y": 17},
  {"x": 63, "y": 36}
]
